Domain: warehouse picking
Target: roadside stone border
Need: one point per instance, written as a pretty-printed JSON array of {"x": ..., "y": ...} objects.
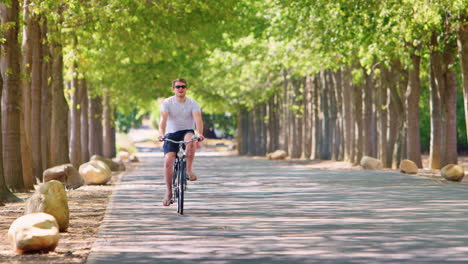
[{"x": 87, "y": 205}]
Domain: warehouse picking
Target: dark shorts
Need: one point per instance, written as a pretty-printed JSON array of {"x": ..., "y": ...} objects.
[{"x": 177, "y": 136}]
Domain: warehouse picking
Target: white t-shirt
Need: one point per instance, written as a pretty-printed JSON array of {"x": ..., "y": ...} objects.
[{"x": 180, "y": 114}]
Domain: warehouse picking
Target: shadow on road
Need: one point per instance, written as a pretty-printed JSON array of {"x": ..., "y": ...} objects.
[{"x": 258, "y": 211}]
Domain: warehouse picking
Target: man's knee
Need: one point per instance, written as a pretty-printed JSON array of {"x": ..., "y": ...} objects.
[
  {"x": 169, "y": 160},
  {"x": 190, "y": 147},
  {"x": 188, "y": 136}
]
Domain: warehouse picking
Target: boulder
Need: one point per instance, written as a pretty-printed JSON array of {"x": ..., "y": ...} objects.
[
  {"x": 121, "y": 165},
  {"x": 452, "y": 172},
  {"x": 37, "y": 232},
  {"x": 110, "y": 163},
  {"x": 67, "y": 174},
  {"x": 231, "y": 148},
  {"x": 95, "y": 172},
  {"x": 369, "y": 163},
  {"x": 123, "y": 155},
  {"x": 50, "y": 198},
  {"x": 408, "y": 166},
  {"x": 134, "y": 158},
  {"x": 277, "y": 155}
]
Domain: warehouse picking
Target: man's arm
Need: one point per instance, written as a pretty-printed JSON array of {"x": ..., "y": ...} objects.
[
  {"x": 162, "y": 124},
  {"x": 197, "y": 116}
]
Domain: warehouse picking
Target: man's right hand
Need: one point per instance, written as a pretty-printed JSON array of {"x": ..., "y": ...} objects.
[{"x": 161, "y": 138}]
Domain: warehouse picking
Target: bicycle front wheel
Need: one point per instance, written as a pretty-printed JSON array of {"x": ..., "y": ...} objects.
[
  {"x": 175, "y": 182},
  {"x": 181, "y": 188}
]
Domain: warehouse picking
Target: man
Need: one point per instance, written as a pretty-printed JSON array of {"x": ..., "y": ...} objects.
[{"x": 181, "y": 119}]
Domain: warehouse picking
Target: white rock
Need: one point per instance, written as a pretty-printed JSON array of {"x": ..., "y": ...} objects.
[
  {"x": 121, "y": 165},
  {"x": 38, "y": 232},
  {"x": 113, "y": 166},
  {"x": 408, "y": 166},
  {"x": 369, "y": 163},
  {"x": 452, "y": 172},
  {"x": 95, "y": 172},
  {"x": 123, "y": 155},
  {"x": 50, "y": 198},
  {"x": 66, "y": 173},
  {"x": 277, "y": 155}
]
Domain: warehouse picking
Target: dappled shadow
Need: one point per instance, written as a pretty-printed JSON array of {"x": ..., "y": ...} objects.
[{"x": 258, "y": 211}]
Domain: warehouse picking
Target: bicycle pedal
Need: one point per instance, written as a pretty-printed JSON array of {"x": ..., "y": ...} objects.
[{"x": 172, "y": 201}]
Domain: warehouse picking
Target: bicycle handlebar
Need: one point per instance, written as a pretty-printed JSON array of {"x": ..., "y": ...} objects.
[{"x": 179, "y": 142}]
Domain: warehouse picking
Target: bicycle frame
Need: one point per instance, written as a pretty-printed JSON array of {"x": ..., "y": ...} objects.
[{"x": 179, "y": 177}]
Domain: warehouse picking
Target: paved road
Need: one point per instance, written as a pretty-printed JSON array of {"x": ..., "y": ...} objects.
[{"x": 257, "y": 211}]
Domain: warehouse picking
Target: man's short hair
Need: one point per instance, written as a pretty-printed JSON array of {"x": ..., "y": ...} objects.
[{"x": 179, "y": 80}]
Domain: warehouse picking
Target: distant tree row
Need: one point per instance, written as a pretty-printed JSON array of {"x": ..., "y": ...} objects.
[
  {"x": 321, "y": 79},
  {"x": 343, "y": 79},
  {"x": 67, "y": 67}
]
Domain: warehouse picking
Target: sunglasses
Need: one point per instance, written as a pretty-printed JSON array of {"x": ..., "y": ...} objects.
[{"x": 180, "y": 86}]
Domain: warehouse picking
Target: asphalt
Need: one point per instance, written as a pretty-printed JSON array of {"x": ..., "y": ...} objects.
[{"x": 244, "y": 210}]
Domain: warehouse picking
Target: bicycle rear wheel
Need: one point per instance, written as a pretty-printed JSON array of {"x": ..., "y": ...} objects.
[{"x": 181, "y": 187}]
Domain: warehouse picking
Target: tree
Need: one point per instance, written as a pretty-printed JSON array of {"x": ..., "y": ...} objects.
[
  {"x": 5, "y": 194},
  {"x": 12, "y": 90}
]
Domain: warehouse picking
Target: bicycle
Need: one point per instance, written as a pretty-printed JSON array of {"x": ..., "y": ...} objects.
[{"x": 179, "y": 176}]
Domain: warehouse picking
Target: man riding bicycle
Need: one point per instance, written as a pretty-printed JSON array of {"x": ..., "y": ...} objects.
[{"x": 181, "y": 119}]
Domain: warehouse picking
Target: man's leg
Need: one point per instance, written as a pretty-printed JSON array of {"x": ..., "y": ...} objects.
[
  {"x": 168, "y": 171},
  {"x": 190, "y": 155}
]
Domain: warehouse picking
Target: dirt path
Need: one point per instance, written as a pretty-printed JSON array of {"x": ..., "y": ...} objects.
[{"x": 87, "y": 206}]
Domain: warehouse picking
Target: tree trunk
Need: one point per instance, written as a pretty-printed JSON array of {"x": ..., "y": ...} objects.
[
  {"x": 397, "y": 93},
  {"x": 347, "y": 114},
  {"x": 382, "y": 108},
  {"x": 359, "y": 133},
  {"x": 26, "y": 152},
  {"x": 285, "y": 117},
  {"x": 338, "y": 99},
  {"x": 340, "y": 121},
  {"x": 325, "y": 153},
  {"x": 295, "y": 124},
  {"x": 277, "y": 123},
  {"x": 270, "y": 124},
  {"x": 95, "y": 126},
  {"x": 46, "y": 100},
  {"x": 333, "y": 114},
  {"x": 12, "y": 90},
  {"x": 36, "y": 85},
  {"x": 450, "y": 110},
  {"x": 84, "y": 121},
  {"x": 248, "y": 132},
  {"x": 75, "y": 137},
  {"x": 316, "y": 116},
  {"x": 109, "y": 128},
  {"x": 5, "y": 194},
  {"x": 253, "y": 132},
  {"x": 264, "y": 129},
  {"x": 243, "y": 135},
  {"x": 113, "y": 151},
  {"x": 307, "y": 128},
  {"x": 393, "y": 130},
  {"x": 412, "y": 111},
  {"x": 368, "y": 122},
  {"x": 437, "y": 88},
  {"x": 392, "y": 114},
  {"x": 59, "y": 152},
  {"x": 463, "y": 55}
]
